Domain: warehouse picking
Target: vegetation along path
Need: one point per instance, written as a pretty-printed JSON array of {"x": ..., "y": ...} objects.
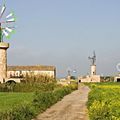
[{"x": 71, "y": 107}]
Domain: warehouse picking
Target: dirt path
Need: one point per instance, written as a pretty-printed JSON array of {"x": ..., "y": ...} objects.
[{"x": 71, "y": 107}]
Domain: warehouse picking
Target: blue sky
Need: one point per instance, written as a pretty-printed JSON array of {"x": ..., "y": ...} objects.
[{"x": 64, "y": 33}]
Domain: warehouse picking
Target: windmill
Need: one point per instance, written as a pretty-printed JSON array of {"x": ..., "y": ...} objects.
[
  {"x": 5, "y": 23},
  {"x": 6, "y": 28}
]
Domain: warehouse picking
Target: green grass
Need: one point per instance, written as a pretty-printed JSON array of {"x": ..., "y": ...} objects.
[
  {"x": 25, "y": 100},
  {"x": 25, "y": 106},
  {"x": 8, "y": 100}
]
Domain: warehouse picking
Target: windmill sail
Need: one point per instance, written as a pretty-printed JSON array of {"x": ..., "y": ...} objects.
[
  {"x": 5, "y": 33},
  {"x": 10, "y": 15},
  {"x": 2, "y": 11},
  {"x": 8, "y": 29},
  {"x": 11, "y": 20}
]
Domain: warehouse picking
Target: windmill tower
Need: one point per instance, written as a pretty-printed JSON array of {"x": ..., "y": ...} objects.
[
  {"x": 93, "y": 65},
  {"x": 5, "y": 30},
  {"x": 93, "y": 77}
]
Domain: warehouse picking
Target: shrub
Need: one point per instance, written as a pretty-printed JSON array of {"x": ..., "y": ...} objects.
[
  {"x": 21, "y": 112},
  {"x": 100, "y": 111},
  {"x": 38, "y": 78},
  {"x": 46, "y": 99},
  {"x": 27, "y": 87},
  {"x": 104, "y": 102},
  {"x": 31, "y": 84},
  {"x": 41, "y": 101}
]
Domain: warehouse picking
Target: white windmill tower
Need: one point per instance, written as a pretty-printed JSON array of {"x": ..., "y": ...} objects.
[{"x": 5, "y": 30}]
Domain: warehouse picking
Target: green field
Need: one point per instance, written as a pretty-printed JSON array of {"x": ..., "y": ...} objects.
[
  {"x": 104, "y": 101},
  {"x": 29, "y": 99},
  {"x": 8, "y": 100}
]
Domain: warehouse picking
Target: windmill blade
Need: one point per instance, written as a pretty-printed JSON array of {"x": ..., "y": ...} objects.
[
  {"x": 8, "y": 29},
  {"x": 10, "y": 15},
  {"x": 11, "y": 20},
  {"x": 74, "y": 71},
  {"x": 94, "y": 55},
  {"x": 3, "y": 28},
  {"x": 2, "y": 11},
  {"x": 5, "y": 33}
]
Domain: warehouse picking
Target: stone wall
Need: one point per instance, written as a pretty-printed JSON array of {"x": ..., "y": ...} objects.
[{"x": 92, "y": 78}]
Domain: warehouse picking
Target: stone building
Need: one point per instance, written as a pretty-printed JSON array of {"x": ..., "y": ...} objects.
[{"x": 21, "y": 71}]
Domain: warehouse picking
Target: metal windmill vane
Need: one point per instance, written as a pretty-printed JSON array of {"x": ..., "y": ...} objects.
[
  {"x": 93, "y": 59},
  {"x": 5, "y": 23}
]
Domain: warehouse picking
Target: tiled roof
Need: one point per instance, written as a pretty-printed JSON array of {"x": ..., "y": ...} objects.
[{"x": 31, "y": 68}]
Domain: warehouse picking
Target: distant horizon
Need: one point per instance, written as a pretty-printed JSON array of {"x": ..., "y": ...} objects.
[{"x": 65, "y": 75}]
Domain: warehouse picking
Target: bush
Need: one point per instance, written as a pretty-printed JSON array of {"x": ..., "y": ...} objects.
[
  {"x": 31, "y": 84},
  {"x": 22, "y": 112},
  {"x": 41, "y": 101},
  {"x": 100, "y": 111},
  {"x": 104, "y": 101},
  {"x": 44, "y": 100},
  {"x": 27, "y": 87},
  {"x": 38, "y": 78}
]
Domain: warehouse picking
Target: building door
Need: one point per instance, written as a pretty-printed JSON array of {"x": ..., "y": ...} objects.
[{"x": 118, "y": 79}]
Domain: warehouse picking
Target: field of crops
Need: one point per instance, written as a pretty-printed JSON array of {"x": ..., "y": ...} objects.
[{"x": 104, "y": 101}]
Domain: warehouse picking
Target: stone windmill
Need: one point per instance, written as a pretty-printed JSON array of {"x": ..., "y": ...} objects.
[{"x": 5, "y": 31}]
